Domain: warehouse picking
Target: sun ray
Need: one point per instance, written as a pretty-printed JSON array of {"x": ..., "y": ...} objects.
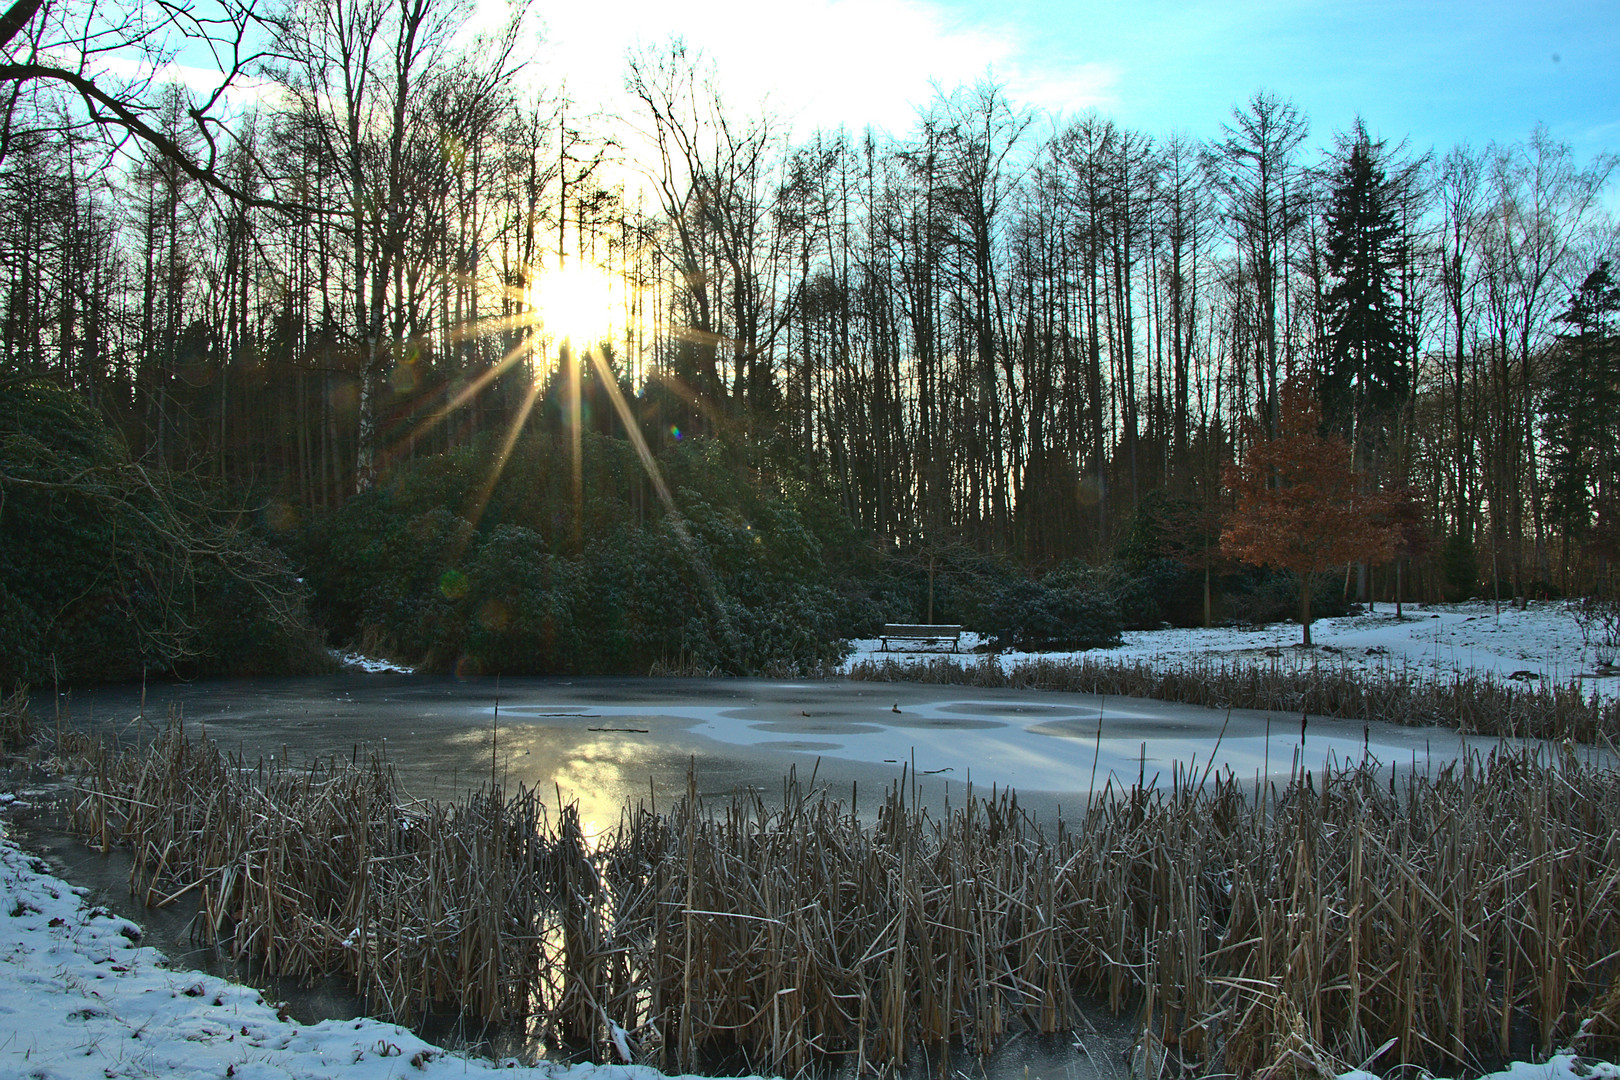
[
  {"x": 650, "y": 464},
  {"x": 508, "y": 441},
  {"x": 570, "y": 306},
  {"x": 467, "y": 393}
]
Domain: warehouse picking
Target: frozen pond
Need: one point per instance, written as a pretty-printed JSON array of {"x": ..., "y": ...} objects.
[{"x": 606, "y": 741}]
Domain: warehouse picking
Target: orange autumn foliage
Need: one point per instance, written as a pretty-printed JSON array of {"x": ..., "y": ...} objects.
[{"x": 1299, "y": 507}]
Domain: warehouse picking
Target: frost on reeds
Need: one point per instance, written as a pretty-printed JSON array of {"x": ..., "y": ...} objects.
[
  {"x": 1460, "y": 918},
  {"x": 1475, "y": 704}
]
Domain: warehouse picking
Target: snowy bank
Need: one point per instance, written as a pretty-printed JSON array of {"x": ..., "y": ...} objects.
[
  {"x": 1540, "y": 643},
  {"x": 80, "y": 997},
  {"x": 354, "y": 660}
]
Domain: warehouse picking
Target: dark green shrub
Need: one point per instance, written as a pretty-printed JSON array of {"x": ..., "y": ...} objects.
[
  {"x": 653, "y": 598},
  {"x": 1079, "y": 574},
  {"x": 969, "y": 588},
  {"x": 1035, "y": 616},
  {"x": 391, "y": 580},
  {"x": 416, "y": 584},
  {"x": 336, "y": 552},
  {"x": 250, "y": 630},
  {"x": 1164, "y": 526},
  {"x": 522, "y": 608},
  {"x": 738, "y": 581},
  {"x": 1160, "y": 591},
  {"x": 109, "y": 569},
  {"x": 1259, "y": 596}
]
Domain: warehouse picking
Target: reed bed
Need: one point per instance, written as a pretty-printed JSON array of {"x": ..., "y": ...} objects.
[
  {"x": 16, "y": 722},
  {"x": 1474, "y": 703},
  {"x": 1458, "y": 918}
]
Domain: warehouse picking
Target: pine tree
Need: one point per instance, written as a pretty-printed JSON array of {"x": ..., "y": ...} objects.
[
  {"x": 1579, "y": 408},
  {"x": 1299, "y": 505},
  {"x": 1365, "y": 376}
]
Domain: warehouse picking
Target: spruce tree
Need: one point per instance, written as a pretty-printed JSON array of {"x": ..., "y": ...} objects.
[
  {"x": 1582, "y": 398},
  {"x": 1365, "y": 376}
]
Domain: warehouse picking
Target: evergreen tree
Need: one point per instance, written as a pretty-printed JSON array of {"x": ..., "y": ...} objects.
[
  {"x": 1579, "y": 406},
  {"x": 1365, "y": 376}
]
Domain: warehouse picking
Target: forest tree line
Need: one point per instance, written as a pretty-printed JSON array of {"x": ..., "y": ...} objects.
[{"x": 998, "y": 332}]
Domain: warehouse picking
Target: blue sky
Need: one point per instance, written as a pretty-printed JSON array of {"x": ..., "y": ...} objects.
[{"x": 1439, "y": 72}]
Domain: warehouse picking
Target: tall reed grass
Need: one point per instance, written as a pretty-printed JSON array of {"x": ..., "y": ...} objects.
[
  {"x": 1474, "y": 703},
  {"x": 16, "y": 722},
  {"x": 1460, "y": 918}
]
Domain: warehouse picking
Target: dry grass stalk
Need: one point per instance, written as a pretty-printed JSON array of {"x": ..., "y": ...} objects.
[
  {"x": 1475, "y": 704},
  {"x": 16, "y": 722},
  {"x": 1466, "y": 915}
]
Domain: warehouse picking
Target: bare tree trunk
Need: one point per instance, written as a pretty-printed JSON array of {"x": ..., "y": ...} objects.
[{"x": 1305, "y": 581}]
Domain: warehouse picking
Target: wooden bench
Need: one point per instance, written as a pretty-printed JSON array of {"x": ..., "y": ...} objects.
[{"x": 920, "y": 632}]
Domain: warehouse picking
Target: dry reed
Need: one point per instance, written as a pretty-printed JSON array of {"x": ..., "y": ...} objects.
[
  {"x": 1475, "y": 704},
  {"x": 16, "y": 722},
  {"x": 1466, "y": 915}
]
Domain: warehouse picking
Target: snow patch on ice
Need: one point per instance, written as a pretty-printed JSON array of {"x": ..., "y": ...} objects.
[{"x": 372, "y": 665}]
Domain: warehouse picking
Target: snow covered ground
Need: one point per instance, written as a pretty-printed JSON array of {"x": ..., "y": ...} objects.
[
  {"x": 1441, "y": 639},
  {"x": 1543, "y": 640}
]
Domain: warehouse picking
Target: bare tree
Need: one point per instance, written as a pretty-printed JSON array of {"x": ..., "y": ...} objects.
[
  {"x": 1458, "y": 186},
  {"x": 77, "y": 49},
  {"x": 373, "y": 111},
  {"x": 1542, "y": 207},
  {"x": 714, "y": 177},
  {"x": 1257, "y": 170}
]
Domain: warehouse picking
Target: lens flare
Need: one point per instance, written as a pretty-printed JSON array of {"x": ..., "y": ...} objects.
[{"x": 453, "y": 584}]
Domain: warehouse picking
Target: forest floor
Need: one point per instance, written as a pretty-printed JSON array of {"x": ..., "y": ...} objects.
[{"x": 1541, "y": 642}]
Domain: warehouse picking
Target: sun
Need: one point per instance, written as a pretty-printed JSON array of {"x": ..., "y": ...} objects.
[{"x": 576, "y": 303}]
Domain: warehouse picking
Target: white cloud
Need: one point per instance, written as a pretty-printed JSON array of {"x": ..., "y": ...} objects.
[
  {"x": 819, "y": 63},
  {"x": 1066, "y": 90},
  {"x": 243, "y": 90}
]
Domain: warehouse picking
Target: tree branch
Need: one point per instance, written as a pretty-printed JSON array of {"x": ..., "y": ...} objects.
[
  {"x": 109, "y": 109},
  {"x": 16, "y": 17}
]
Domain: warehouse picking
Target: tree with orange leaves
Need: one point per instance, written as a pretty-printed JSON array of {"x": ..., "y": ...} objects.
[{"x": 1298, "y": 504}]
